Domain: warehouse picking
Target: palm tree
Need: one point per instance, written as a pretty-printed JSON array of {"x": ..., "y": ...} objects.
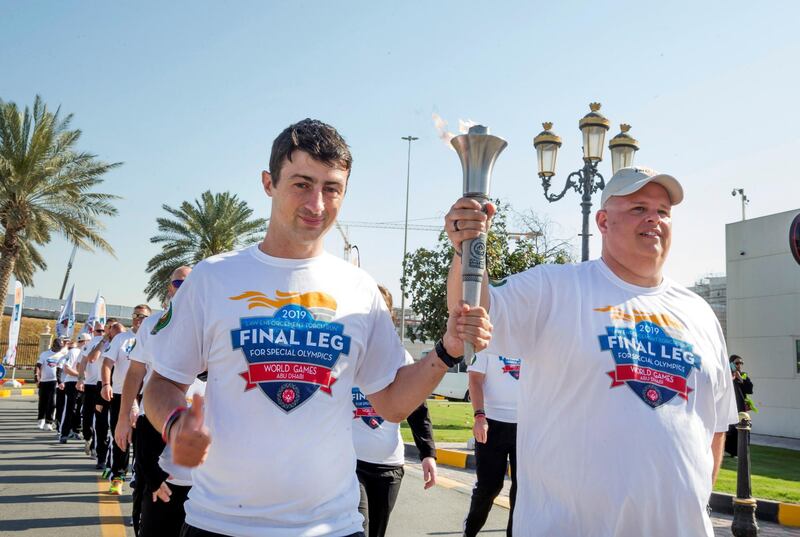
[
  {"x": 213, "y": 224},
  {"x": 46, "y": 187},
  {"x": 28, "y": 261}
]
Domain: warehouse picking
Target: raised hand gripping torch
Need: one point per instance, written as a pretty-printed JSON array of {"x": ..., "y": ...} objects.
[{"x": 478, "y": 150}]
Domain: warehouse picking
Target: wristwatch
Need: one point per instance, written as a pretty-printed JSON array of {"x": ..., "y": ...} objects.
[{"x": 444, "y": 356}]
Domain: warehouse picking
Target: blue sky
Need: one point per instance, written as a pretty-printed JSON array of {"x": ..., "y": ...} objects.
[{"x": 190, "y": 95}]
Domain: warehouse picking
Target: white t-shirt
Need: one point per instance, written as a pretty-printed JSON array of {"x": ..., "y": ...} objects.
[
  {"x": 284, "y": 341},
  {"x": 622, "y": 391},
  {"x": 500, "y": 385},
  {"x": 118, "y": 352},
  {"x": 180, "y": 475},
  {"x": 70, "y": 359},
  {"x": 48, "y": 361},
  {"x": 376, "y": 440},
  {"x": 140, "y": 353},
  {"x": 92, "y": 370}
]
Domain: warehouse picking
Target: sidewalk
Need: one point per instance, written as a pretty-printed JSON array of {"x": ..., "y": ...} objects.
[{"x": 457, "y": 455}]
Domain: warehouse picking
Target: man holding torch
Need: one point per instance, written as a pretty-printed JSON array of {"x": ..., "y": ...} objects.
[{"x": 623, "y": 410}]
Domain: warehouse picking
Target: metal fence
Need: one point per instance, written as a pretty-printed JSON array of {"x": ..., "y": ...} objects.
[{"x": 27, "y": 352}]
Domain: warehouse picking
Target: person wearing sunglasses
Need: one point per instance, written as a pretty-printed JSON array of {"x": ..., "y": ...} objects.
[
  {"x": 94, "y": 410},
  {"x": 133, "y": 427},
  {"x": 742, "y": 389},
  {"x": 112, "y": 376}
]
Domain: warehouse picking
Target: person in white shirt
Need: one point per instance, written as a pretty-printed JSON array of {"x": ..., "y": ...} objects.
[
  {"x": 493, "y": 390},
  {"x": 625, "y": 393},
  {"x": 91, "y": 364},
  {"x": 380, "y": 453},
  {"x": 134, "y": 427},
  {"x": 45, "y": 376},
  {"x": 285, "y": 331},
  {"x": 68, "y": 424},
  {"x": 88, "y": 375},
  {"x": 112, "y": 375}
]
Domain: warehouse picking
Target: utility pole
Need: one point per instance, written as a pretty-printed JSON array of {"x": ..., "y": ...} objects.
[{"x": 405, "y": 243}]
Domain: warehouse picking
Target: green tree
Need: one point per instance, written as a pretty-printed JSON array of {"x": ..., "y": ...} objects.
[
  {"x": 426, "y": 282},
  {"x": 213, "y": 224},
  {"x": 46, "y": 186}
]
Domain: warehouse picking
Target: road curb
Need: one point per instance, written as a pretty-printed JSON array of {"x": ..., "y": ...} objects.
[
  {"x": 448, "y": 457},
  {"x": 8, "y": 392},
  {"x": 785, "y": 514}
]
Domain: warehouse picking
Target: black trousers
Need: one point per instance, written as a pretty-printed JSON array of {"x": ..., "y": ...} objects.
[
  {"x": 101, "y": 427},
  {"x": 492, "y": 460},
  {"x": 90, "y": 394},
  {"x": 119, "y": 456},
  {"x": 77, "y": 417},
  {"x": 163, "y": 519},
  {"x": 66, "y": 410},
  {"x": 191, "y": 531},
  {"x": 379, "y": 485},
  {"x": 47, "y": 401}
]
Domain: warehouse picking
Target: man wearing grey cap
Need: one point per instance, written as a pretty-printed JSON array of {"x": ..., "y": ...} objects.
[{"x": 625, "y": 391}]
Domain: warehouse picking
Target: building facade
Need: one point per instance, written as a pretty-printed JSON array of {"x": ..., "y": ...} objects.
[
  {"x": 713, "y": 289},
  {"x": 763, "y": 296}
]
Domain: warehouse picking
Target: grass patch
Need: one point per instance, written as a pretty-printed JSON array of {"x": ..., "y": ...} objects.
[
  {"x": 775, "y": 471},
  {"x": 775, "y": 474},
  {"x": 452, "y": 422}
]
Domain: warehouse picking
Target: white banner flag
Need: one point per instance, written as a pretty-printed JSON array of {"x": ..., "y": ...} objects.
[
  {"x": 13, "y": 329},
  {"x": 66, "y": 320},
  {"x": 97, "y": 315}
]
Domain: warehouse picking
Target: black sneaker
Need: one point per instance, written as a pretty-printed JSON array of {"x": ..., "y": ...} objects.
[
  {"x": 62, "y": 440},
  {"x": 99, "y": 466}
]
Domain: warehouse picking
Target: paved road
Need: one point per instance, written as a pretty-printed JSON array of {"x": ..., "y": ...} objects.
[{"x": 48, "y": 489}]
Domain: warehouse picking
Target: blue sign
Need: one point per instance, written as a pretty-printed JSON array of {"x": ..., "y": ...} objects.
[{"x": 2, "y": 372}]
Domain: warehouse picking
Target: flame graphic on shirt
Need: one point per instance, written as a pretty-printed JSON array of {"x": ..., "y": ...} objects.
[
  {"x": 321, "y": 305},
  {"x": 636, "y": 316}
]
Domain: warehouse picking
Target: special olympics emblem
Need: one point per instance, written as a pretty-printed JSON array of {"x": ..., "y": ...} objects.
[
  {"x": 287, "y": 396},
  {"x": 653, "y": 364},
  {"x": 290, "y": 355}
]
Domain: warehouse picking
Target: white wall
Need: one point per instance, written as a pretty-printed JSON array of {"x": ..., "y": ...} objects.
[{"x": 764, "y": 317}]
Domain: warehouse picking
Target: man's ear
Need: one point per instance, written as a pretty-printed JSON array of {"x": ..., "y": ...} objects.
[
  {"x": 266, "y": 181},
  {"x": 601, "y": 218}
]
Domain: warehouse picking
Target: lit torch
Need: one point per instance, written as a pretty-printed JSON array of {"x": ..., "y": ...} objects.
[{"x": 478, "y": 151}]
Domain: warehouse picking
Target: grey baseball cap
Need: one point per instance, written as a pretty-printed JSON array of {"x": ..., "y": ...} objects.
[
  {"x": 629, "y": 180},
  {"x": 84, "y": 337}
]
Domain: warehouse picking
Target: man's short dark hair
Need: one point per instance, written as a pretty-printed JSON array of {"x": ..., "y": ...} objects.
[
  {"x": 735, "y": 357},
  {"x": 321, "y": 141}
]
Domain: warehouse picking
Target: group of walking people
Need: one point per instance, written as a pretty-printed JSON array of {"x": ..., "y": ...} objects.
[{"x": 624, "y": 397}]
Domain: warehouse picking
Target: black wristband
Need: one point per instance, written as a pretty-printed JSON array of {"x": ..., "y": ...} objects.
[
  {"x": 445, "y": 357},
  {"x": 479, "y": 412}
]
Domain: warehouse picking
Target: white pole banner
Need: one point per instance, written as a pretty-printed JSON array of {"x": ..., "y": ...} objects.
[
  {"x": 13, "y": 328},
  {"x": 66, "y": 320},
  {"x": 98, "y": 314}
]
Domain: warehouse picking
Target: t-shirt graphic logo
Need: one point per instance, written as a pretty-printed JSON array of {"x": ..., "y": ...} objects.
[
  {"x": 510, "y": 366},
  {"x": 653, "y": 364},
  {"x": 291, "y": 354},
  {"x": 364, "y": 410},
  {"x": 163, "y": 321}
]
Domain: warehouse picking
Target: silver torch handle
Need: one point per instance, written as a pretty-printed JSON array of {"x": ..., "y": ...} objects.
[{"x": 473, "y": 265}]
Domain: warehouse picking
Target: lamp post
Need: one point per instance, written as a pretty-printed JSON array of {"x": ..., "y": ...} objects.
[
  {"x": 744, "y": 506},
  {"x": 405, "y": 243},
  {"x": 745, "y": 199},
  {"x": 587, "y": 180}
]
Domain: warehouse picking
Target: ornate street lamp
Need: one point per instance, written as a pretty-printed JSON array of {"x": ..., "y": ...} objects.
[{"x": 587, "y": 180}]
